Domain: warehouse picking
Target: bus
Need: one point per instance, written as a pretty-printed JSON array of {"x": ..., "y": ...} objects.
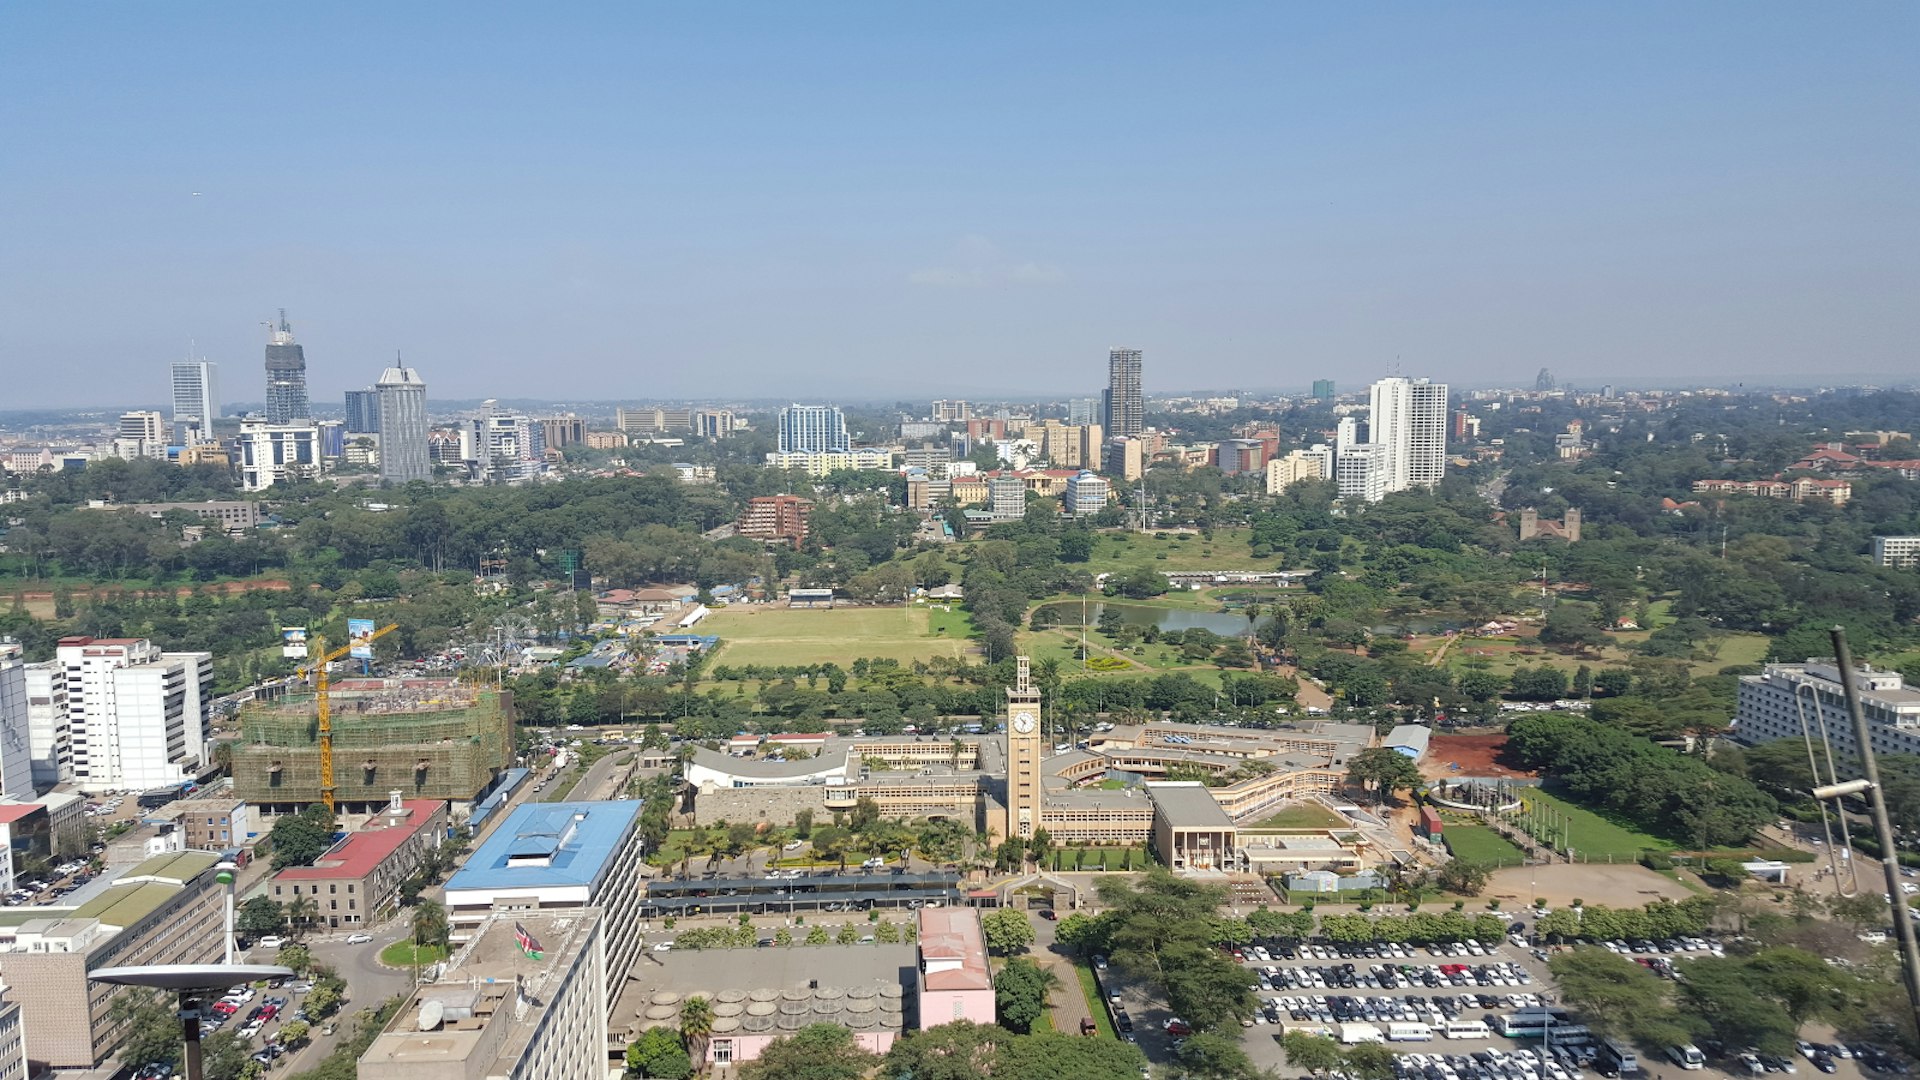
[
  {"x": 1614, "y": 1058},
  {"x": 1530, "y": 1023}
]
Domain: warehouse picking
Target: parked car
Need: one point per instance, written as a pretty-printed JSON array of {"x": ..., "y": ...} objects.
[{"x": 359, "y": 939}]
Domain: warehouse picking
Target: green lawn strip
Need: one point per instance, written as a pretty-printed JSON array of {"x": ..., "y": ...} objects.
[
  {"x": 1480, "y": 844},
  {"x": 1300, "y": 816},
  {"x": 402, "y": 954},
  {"x": 1096, "y": 1001}
]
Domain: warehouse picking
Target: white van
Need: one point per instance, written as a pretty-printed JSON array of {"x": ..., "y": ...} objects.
[
  {"x": 1687, "y": 1056},
  {"x": 1409, "y": 1032},
  {"x": 1467, "y": 1029}
]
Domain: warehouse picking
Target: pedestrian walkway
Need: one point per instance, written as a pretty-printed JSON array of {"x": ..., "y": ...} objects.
[{"x": 1067, "y": 1005}]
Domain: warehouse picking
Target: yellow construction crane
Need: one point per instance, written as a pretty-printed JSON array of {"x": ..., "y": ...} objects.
[{"x": 319, "y": 670}]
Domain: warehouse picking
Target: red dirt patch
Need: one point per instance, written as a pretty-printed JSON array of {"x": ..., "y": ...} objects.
[{"x": 1475, "y": 754}]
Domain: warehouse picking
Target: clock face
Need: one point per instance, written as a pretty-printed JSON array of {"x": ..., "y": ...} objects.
[{"x": 1023, "y": 722}]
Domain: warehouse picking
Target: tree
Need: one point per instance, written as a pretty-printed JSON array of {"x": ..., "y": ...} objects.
[
  {"x": 299, "y": 839},
  {"x": 296, "y": 957},
  {"x": 1161, "y": 931},
  {"x": 815, "y": 1052},
  {"x": 1077, "y": 931},
  {"x": 1020, "y": 993},
  {"x": 1311, "y": 1054},
  {"x": 1007, "y": 930},
  {"x": 294, "y": 1032},
  {"x": 803, "y": 822},
  {"x": 1617, "y": 996},
  {"x": 1370, "y": 1061},
  {"x": 1209, "y": 1056},
  {"x": 659, "y": 1055},
  {"x": 430, "y": 927},
  {"x": 696, "y": 1024},
  {"x": 260, "y": 915},
  {"x": 1464, "y": 878},
  {"x": 153, "y": 1032},
  {"x": 1383, "y": 769}
]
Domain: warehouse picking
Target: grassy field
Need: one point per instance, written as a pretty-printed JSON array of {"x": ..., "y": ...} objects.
[
  {"x": 1479, "y": 844},
  {"x": 1104, "y": 858},
  {"x": 1592, "y": 835},
  {"x": 1228, "y": 550},
  {"x": 1301, "y": 816},
  {"x": 764, "y": 635}
]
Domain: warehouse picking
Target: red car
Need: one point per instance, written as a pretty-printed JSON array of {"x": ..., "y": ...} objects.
[{"x": 1177, "y": 1026}]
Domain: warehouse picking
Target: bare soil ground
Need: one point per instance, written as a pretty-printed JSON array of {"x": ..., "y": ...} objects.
[
  {"x": 1475, "y": 754},
  {"x": 1620, "y": 885}
]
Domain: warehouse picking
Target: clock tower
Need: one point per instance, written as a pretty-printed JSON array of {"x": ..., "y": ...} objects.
[{"x": 1023, "y": 755}]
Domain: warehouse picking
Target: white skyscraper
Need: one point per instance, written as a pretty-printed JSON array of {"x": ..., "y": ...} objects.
[
  {"x": 403, "y": 426},
  {"x": 196, "y": 397},
  {"x": 139, "y": 716},
  {"x": 813, "y": 429},
  {"x": 1407, "y": 418},
  {"x": 49, "y": 732}
]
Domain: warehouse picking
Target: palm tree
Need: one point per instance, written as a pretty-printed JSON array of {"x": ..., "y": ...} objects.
[
  {"x": 696, "y": 1023},
  {"x": 430, "y": 926},
  {"x": 301, "y": 911}
]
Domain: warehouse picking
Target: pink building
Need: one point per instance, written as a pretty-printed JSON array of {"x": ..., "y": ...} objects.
[{"x": 954, "y": 981}]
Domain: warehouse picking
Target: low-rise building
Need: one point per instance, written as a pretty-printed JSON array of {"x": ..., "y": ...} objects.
[
  {"x": 214, "y": 824},
  {"x": 955, "y": 983},
  {"x": 167, "y": 910},
  {"x": 1785, "y": 701},
  {"x": 524, "y": 999},
  {"x": 557, "y": 858},
  {"x": 357, "y": 882},
  {"x": 1087, "y": 495},
  {"x": 1190, "y": 830},
  {"x": 13, "y": 1041}
]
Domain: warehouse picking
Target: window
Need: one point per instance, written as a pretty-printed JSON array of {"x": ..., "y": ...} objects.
[
  {"x": 722, "y": 1051},
  {"x": 331, "y": 888}
]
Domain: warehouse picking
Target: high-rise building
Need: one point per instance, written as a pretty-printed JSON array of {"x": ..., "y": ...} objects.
[
  {"x": 1023, "y": 754},
  {"x": 1237, "y": 457},
  {"x": 1126, "y": 410},
  {"x": 1125, "y": 458},
  {"x": 49, "y": 732},
  {"x": 1361, "y": 472},
  {"x": 196, "y": 398},
  {"x": 286, "y": 376},
  {"x": 16, "y": 756},
  {"x": 139, "y": 716},
  {"x": 1408, "y": 418},
  {"x": 363, "y": 412},
  {"x": 1323, "y": 389},
  {"x": 1007, "y": 498},
  {"x": 270, "y": 453},
  {"x": 403, "y": 426},
  {"x": 948, "y": 412},
  {"x": 141, "y": 434},
  {"x": 563, "y": 430},
  {"x": 1084, "y": 411},
  {"x": 813, "y": 429},
  {"x": 775, "y": 517},
  {"x": 502, "y": 448}
]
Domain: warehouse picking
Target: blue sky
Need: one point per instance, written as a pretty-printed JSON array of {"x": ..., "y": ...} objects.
[{"x": 622, "y": 201}]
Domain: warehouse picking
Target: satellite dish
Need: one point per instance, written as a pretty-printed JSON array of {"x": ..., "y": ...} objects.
[{"x": 432, "y": 1012}]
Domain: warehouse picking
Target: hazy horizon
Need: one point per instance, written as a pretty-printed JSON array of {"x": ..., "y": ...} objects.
[{"x": 860, "y": 202}]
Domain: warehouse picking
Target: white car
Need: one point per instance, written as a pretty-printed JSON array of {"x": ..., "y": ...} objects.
[
  {"x": 359, "y": 939},
  {"x": 663, "y": 946}
]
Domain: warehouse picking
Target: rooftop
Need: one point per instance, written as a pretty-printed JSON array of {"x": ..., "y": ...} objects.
[
  {"x": 1189, "y": 806},
  {"x": 472, "y": 995},
  {"x": 761, "y": 769},
  {"x": 954, "y": 949},
  {"x": 773, "y": 990},
  {"x": 564, "y": 844},
  {"x": 360, "y": 852}
]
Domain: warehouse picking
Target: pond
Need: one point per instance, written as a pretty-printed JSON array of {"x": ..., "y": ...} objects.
[{"x": 1169, "y": 620}]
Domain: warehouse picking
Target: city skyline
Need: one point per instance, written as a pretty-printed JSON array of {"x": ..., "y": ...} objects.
[{"x": 678, "y": 205}]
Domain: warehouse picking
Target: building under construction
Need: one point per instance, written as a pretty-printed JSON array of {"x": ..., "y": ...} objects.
[{"x": 427, "y": 738}]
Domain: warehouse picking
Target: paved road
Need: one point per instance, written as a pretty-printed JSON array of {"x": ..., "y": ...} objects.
[
  {"x": 368, "y": 984},
  {"x": 605, "y": 779},
  {"x": 1067, "y": 1002}
]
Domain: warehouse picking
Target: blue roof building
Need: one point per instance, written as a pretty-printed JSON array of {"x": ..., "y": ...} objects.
[{"x": 557, "y": 857}]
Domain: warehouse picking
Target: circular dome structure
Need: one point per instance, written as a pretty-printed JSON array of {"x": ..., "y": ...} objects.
[
  {"x": 661, "y": 1012},
  {"x": 665, "y": 997},
  {"x": 786, "y": 1022},
  {"x": 763, "y": 994},
  {"x": 724, "y": 1024},
  {"x": 761, "y": 1008},
  {"x": 730, "y": 995},
  {"x": 756, "y": 1024},
  {"x": 728, "y": 1008},
  {"x": 861, "y": 1005},
  {"x": 861, "y": 1021}
]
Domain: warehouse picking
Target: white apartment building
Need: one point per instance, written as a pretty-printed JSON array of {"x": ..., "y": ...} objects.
[
  {"x": 1086, "y": 494},
  {"x": 502, "y": 448},
  {"x": 1897, "y": 552},
  {"x": 813, "y": 429},
  {"x": 268, "y": 454},
  {"x": 16, "y": 759},
  {"x": 1362, "y": 472},
  {"x": 1775, "y": 703},
  {"x": 1409, "y": 418},
  {"x": 138, "y": 716},
  {"x": 49, "y": 733}
]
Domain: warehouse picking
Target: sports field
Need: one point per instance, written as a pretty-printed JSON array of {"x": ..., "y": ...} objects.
[
  {"x": 1479, "y": 844},
  {"x": 776, "y": 635}
]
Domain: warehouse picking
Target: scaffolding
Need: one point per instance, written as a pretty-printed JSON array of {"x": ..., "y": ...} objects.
[{"x": 437, "y": 741}]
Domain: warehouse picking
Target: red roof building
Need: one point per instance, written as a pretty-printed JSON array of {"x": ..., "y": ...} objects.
[
  {"x": 357, "y": 882},
  {"x": 955, "y": 983}
]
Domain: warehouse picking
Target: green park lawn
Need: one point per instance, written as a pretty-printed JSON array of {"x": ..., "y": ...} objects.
[
  {"x": 799, "y": 636},
  {"x": 403, "y": 954},
  {"x": 1096, "y": 1001},
  {"x": 1592, "y": 835},
  {"x": 1480, "y": 844},
  {"x": 1227, "y": 550},
  {"x": 1301, "y": 816}
]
